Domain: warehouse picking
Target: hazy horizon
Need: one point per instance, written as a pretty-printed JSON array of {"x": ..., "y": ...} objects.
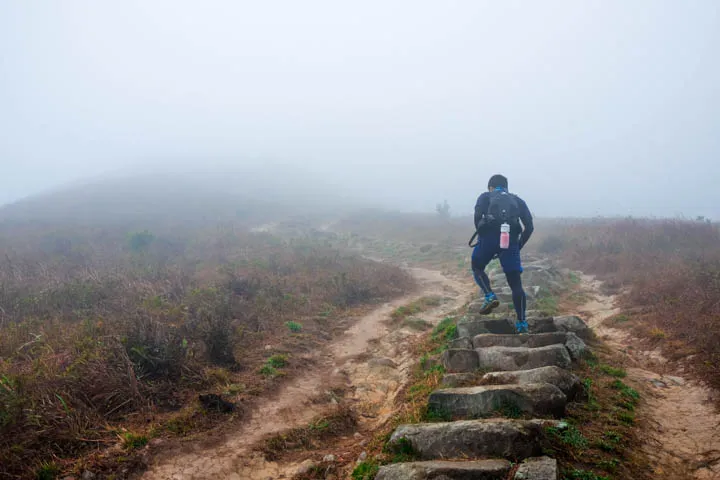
[{"x": 592, "y": 108}]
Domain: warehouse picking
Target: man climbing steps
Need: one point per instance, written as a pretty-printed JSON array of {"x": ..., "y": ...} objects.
[{"x": 503, "y": 225}]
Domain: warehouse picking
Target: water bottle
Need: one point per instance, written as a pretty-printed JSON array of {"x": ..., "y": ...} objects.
[{"x": 504, "y": 236}]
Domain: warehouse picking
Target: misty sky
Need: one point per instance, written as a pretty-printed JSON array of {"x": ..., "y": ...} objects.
[{"x": 590, "y": 107}]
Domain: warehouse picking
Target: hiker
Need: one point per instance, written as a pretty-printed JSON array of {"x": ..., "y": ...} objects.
[{"x": 499, "y": 214}]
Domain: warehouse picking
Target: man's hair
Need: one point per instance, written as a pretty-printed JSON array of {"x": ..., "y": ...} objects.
[{"x": 498, "y": 181}]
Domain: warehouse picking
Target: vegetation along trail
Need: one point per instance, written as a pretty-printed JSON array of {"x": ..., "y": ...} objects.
[
  {"x": 370, "y": 364},
  {"x": 681, "y": 421}
]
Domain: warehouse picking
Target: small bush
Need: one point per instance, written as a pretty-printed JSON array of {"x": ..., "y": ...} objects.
[
  {"x": 366, "y": 470},
  {"x": 294, "y": 327},
  {"x": 277, "y": 361},
  {"x": 131, "y": 441}
]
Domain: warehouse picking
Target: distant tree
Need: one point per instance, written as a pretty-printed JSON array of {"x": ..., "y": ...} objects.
[
  {"x": 140, "y": 241},
  {"x": 443, "y": 209}
]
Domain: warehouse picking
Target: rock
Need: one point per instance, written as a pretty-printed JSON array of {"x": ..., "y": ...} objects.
[
  {"x": 88, "y": 475},
  {"x": 675, "y": 380},
  {"x": 482, "y": 401},
  {"x": 523, "y": 358},
  {"x": 575, "y": 346},
  {"x": 268, "y": 347},
  {"x": 471, "y": 326},
  {"x": 540, "y": 468},
  {"x": 511, "y": 439},
  {"x": 305, "y": 467},
  {"x": 462, "y": 342},
  {"x": 658, "y": 383},
  {"x": 540, "y": 324},
  {"x": 572, "y": 323},
  {"x": 452, "y": 380},
  {"x": 568, "y": 383},
  {"x": 382, "y": 362},
  {"x": 437, "y": 470},
  {"x": 532, "y": 341},
  {"x": 362, "y": 457},
  {"x": 329, "y": 458},
  {"x": 460, "y": 360}
]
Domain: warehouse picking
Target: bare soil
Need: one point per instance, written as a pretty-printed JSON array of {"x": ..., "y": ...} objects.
[
  {"x": 681, "y": 422},
  {"x": 370, "y": 363}
]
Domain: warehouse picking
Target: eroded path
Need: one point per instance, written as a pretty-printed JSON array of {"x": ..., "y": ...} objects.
[
  {"x": 683, "y": 431},
  {"x": 372, "y": 361}
]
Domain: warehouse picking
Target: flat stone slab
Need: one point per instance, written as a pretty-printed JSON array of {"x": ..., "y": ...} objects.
[
  {"x": 523, "y": 358},
  {"x": 460, "y": 360},
  {"x": 472, "y": 325},
  {"x": 453, "y": 380},
  {"x": 568, "y": 383},
  {"x": 574, "y": 324},
  {"x": 473, "y": 439},
  {"x": 462, "y": 342},
  {"x": 483, "y": 401},
  {"x": 514, "y": 340},
  {"x": 479, "y": 469},
  {"x": 539, "y": 468},
  {"x": 576, "y": 347}
]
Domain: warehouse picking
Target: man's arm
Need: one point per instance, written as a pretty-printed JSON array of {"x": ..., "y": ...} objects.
[
  {"x": 527, "y": 222},
  {"x": 481, "y": 207}
]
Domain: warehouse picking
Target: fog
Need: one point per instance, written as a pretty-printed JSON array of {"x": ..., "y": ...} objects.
[{"x": 593, "y": 107}]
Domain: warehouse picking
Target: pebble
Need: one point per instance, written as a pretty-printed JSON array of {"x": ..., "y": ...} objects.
[
  {"x": 676, "y": 380},
  {"x": 305, "y": 467},
  {"x": 329, "y": 458},
  {"x": 362, "y": 457}
]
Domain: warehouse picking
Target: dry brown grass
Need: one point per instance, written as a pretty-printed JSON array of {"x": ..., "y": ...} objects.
[
  {"x": 100, "y": 330},
  {"x": 668, "y": 274}
]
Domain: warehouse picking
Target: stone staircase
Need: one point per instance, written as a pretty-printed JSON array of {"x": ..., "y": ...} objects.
[{"x": 528, "y": 377}]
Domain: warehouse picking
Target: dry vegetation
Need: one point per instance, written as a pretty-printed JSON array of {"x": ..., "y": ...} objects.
[
  {"x": 107, "y": 337},
  {"x": 667, "y": 273}
]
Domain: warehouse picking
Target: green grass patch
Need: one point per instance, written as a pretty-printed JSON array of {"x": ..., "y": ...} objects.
[
  {"x": 366, "y": 470},
  {"x": 294, "y": 327},
  {"x": 269, "y": 371},
  {"x": 612, "y": 371},
  {"x": 277, "y": 361},
  {"x": 132, "y": 441},
  {"x": 47, "y": 471}
]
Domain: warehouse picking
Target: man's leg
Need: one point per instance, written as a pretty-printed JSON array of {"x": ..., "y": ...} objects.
[
  {"x": 512, "y": 266},
  {"x": 481, "y": 256}
]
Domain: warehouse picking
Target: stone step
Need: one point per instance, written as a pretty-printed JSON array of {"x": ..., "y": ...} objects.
[
  {"x": 538, "y": 468},
  {"x": 460, "y": 360},
  {"x": 568, "y": 383},
  {"x": 454, "y": 380},
  {"x": 471, "y": 325},
  {"x": 475, "y": 324},
  {"x": 523, "y": 358},
  {"x": 535, "y": 399},
  {"x": 576, "y": 347},
  {"x": 533, "y": 340},
  {"x": 473, "y": 439},
  {"x": 472, "y": 470}
]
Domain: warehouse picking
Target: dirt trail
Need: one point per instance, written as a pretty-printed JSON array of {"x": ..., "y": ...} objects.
[
  {"x": 683, "y": 435},
  {"x": 371, "y": 360}
]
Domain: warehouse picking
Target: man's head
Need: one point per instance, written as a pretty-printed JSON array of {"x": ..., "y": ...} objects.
[{"x": 497, "y": 181}]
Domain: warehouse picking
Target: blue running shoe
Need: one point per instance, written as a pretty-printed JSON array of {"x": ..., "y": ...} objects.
[
  {"x": 521, "y": 327},
  {"x": 491, "y": 303}
]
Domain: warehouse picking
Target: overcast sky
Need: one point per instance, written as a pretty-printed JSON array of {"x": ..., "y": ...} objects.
[{"x": 590, "y": 107}]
